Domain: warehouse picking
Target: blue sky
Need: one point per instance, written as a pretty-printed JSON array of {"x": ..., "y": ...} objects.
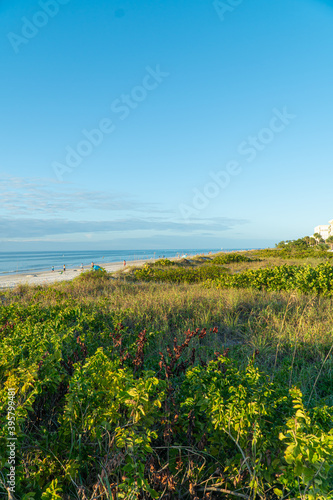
[{"x": 169, "y": 124}]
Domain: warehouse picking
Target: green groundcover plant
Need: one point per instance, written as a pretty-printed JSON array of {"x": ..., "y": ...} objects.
[
  {"x": 95, "y": 417},
  {"x": 305, "y": 279}
]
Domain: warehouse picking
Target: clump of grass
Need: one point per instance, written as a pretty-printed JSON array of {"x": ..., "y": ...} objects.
[
  {"x": 180, "y": 274},
  {"x": 229, "y": 258},
  {"x": 93, "y": 275},
  {"x": 295, "y": 253}
]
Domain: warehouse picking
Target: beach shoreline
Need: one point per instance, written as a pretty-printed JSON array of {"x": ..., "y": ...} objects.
[
  {"x": 56, "y": 276},
  {"x": 8, "y": 281}
]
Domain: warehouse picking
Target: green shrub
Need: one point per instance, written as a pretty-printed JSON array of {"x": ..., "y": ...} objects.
[
  {"x": 295, "y": 253},
  {"x": 104, "y": 409},
  {"x": 180, "y": 274},
  {"x": 163, "y": 263},
  {"x": 305, "y": 279},
  {"x": 257, "y": 432},
  {"x": 90, "y": 275},
  {"x": 92, "y": 412},
  {"x": 230, "y": 258}
]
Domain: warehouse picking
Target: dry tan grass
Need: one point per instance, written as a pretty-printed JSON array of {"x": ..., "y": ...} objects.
[{"x": 292, "y": 333}]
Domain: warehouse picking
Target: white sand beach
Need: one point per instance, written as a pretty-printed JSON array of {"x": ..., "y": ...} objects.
[{"x": 49, "y": 277}]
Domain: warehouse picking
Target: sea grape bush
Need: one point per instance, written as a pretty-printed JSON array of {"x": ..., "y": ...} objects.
[
  {"x": 305, "y": 279},
  {"x": 98, "y": 418}
]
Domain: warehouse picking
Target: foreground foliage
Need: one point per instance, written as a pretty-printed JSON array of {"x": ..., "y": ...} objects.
[
  {"x": 96, "y": 416},
  {"x": 120, "y": 395}
]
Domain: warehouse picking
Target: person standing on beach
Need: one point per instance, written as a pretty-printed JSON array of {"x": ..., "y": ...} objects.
[
  {"x": 81, "y": 267},
  {"x": 124, "y": 263},
  {"x": 64, "y": 268},
  {"x": 52, "y": 268}
]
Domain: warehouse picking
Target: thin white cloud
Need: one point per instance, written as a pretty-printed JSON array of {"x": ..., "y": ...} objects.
[
  {"x": 20, "y": 196},
  {"x": 24, "y": 228},
  {"x": 34, "y": 208}
]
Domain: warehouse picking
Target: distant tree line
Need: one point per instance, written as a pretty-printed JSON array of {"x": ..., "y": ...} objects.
[{"x": 316, "y": 242}]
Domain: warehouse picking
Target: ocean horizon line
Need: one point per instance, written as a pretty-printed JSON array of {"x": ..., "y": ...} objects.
[{"x": 43, "y": 260}]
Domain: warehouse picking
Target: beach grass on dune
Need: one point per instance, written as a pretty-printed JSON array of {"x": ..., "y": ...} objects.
[
  {"x": 259, "y": 344},
  {"x": 287, "y": 329}
]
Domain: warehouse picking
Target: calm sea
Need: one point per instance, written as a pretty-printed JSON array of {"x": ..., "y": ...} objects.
[{"x": 21, "y": 262}]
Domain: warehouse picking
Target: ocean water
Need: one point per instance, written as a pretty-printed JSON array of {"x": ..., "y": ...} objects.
[{"x": 25, "y": 262}]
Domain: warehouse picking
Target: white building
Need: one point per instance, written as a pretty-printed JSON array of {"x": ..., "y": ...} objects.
[{"x": 325, "y": 230}]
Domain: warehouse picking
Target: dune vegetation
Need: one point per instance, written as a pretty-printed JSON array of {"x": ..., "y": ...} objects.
[{"x": 204, "y": 378}]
